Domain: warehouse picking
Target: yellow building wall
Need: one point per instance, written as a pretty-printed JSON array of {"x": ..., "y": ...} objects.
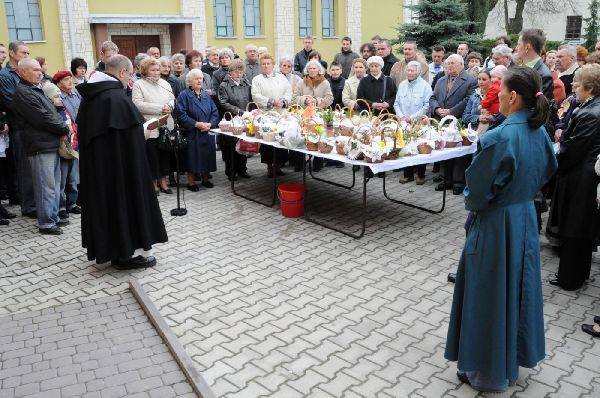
[
  {"x": 145, "y": 7},
  {"x": 327, "y": 46},
  {"x": 51, "y": 47},
  {"x": 239, "y": 41},
  {"x": 381, "y": 18}
]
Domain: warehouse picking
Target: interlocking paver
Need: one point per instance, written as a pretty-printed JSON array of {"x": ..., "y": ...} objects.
[{"x": 262, "y": 303}]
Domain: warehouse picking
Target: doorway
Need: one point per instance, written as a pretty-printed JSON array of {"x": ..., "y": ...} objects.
[{"x": 132, "y": 45}]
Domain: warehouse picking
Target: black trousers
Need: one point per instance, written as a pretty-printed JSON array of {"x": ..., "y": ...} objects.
[
  {"x": 454, "y": 170},
  {"x": 409, "y": 172},
  {"x": 575, "y": 262},
  {"x": 266, "y": 155},
  {"x": 158, "y": 160},
  {"x": 227, "y": 148}
]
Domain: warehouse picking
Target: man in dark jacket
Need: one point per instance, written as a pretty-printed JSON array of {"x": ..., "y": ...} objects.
[
  {"x": 20, "y": 187},
  {"x": 384, "y": 50},
  {"x": 303, "y": 55},
  {"x": 120, "y": 219},
  {"x": 346, "y": 57},
  {"x": 378, "y": 90},
  {"x": 450, "y": 97},
  {"x": 337, "y": 82},
  {"x": 43, "y": 129}
]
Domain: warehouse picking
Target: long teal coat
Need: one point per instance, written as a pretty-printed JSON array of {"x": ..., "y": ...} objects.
[{"x": 497, "y": 323}]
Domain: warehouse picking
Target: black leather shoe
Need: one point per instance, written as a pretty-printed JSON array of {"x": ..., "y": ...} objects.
[
  {"x": 556, "y": 282},
  {"x": 207, "y": 184},
  {"x": 597, "y": 319},
  {"x": 244, "y": 175},
  {"x": 462, "y": 376},
  {"x": 438, "y": 179},
  {"x": 589, "y": 329},
  {"x": 63, "y": 214},
  {"x": 135, "y": 262},
  {"x": 5, "y": 214},
  {"x": 452, "y": 277},
  {"x": 458, "y": 190},
  {"x": 75, "y": 210},
  {"x": 442, "y": 186},
  {"x": 32, "y": 215},
  {"x": 63, "y": 222},
  {"x": 51, "y": 231},
  {"x": 193, "y": 188},
  {"x": 4, "y": 221},
  {"x": 168, "y": 191}
]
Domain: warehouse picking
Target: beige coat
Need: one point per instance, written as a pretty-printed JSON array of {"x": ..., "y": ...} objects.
[
  {"x": 349, "y": 92},
  {"x": 150, "y": 97},
  {"x": 321, "y": 93},
  {"x": 398, "y": 72},
  {"x": 272, "y": 87}
]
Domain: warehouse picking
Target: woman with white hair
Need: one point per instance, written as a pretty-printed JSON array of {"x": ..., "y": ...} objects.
[
  {"x": 378, "y": 90},
  {"x": 286, "y": 68},
  {"x": 197, "y": 114},
  {"x": 177, "y": 64},
  {"x": 225, "y": 58},
  {"x": 412, "y": 102},
  {"x": 165, "y": 74},
  {"x": 314, "y": 89},
  {"x": 212, "y": 64}
]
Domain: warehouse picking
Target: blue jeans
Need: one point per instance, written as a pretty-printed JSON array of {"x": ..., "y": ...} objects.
[
  {"x": 69, "y": 178},
  {"x": 45, "y": 170}
]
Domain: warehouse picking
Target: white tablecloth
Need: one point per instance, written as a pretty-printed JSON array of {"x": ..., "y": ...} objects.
[{"x": 405, "y": 161}]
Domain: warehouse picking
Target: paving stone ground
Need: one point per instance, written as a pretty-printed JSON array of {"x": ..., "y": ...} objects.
[
  {"x": 98, "y": 348},
  {"x": 274, "y": 307}
]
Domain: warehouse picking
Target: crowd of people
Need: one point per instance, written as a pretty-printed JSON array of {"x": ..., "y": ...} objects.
[{"x": 537, "y": 113}]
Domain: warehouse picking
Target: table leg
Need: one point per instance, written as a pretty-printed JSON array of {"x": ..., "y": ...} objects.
[
  {"x": 412, "y": 205},
  {"x": 331, "y": 182},
  {"x": 274, "y": 195},
  {"x": 363, "y": 212}
]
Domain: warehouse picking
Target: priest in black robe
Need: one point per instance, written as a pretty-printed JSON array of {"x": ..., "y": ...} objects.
[{"x": 121, "y": 218}]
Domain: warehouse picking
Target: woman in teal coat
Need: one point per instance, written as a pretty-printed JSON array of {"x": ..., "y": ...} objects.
[{"x": 497, "y": 323}]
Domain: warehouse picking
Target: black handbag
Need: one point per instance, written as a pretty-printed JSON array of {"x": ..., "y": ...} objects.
[{"x": 164, "y": 141}]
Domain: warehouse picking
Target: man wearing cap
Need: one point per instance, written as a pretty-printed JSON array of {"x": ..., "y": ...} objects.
[
  {"x": 43, "y": 129},
  {"x": 69, "y": 168},
  {"x": 378, "y": 90}
]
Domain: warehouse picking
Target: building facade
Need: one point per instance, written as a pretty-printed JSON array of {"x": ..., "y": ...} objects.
[
  {"x": 561, "y": 20},
  {"x": 62, "y": 29}
]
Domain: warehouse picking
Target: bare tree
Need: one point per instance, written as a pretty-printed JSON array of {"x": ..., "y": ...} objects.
[{"x": 534, "y": 8}]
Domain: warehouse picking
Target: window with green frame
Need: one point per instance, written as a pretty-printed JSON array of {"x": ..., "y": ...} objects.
[
  {"x": 305, "y": 20},
  {"x": 223, "y": 18},
  {"x": 328, "y": 18},
  {"x": 252, "y": 18},
  {"x": 24, "y": 20}
]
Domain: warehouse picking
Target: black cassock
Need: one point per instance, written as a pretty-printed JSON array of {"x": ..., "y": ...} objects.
[{"x": 120, "y": 212}]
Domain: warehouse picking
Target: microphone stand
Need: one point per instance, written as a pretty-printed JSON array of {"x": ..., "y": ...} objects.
[{"x": 178, "y": 211}]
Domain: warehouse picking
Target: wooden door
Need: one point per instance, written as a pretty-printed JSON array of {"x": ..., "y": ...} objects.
[
  {"x": 132, "y": 45},
  {"x": 126, "y": 45}
]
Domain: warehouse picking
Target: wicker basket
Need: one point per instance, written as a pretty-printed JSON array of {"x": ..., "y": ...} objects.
[
  {"x": 311, "y": 146},
  {"x": 370, "y": 160},
  {"x": 466, "y": 141},
  {"x": 324, "y": 148},
  {"x": 424, "y": 149},
  {"x": 269, "y": 136},
  {"x": 340, "y": 148},
  {"x": 452, "y": 144},
  {"x": 238, "y": 130}
]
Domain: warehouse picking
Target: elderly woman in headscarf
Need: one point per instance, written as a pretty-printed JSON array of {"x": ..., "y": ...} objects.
[
  {"x": 286, "y": 68},
  {"x": 378, "y": 90},
  {"x": 271, "y": 91},
  {"x": 197, "y": 114},
  {"x": 412, "y": 102},
  {"x": 234, "y": 96}
]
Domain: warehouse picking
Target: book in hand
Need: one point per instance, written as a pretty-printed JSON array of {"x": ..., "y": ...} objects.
[{"x": 151, "y": 125}]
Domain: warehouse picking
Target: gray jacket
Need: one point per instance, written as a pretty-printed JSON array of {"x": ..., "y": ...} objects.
[
  {"x": 234, "y": 97},
  {"x": 346, "y": 59},
  {"x": 456, "y": 99}
]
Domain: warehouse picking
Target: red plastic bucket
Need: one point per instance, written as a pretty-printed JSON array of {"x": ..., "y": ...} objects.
[{"x": 291, "y": 200}]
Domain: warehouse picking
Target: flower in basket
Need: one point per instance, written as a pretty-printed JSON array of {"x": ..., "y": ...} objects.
[
  {"x": 341, "y": 143},
  {"x": 353, "y": 149},
  {"x": 449, "y": 130},
  {"x": 346, "y": 127},
  {"x": 363, "y": 134},
  {"x": 375, "y": 152}
]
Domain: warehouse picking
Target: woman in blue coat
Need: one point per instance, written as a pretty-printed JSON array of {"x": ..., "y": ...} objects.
[
  {"x": 197, "y": 114},
  {"x": 497, "y": 323}
]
